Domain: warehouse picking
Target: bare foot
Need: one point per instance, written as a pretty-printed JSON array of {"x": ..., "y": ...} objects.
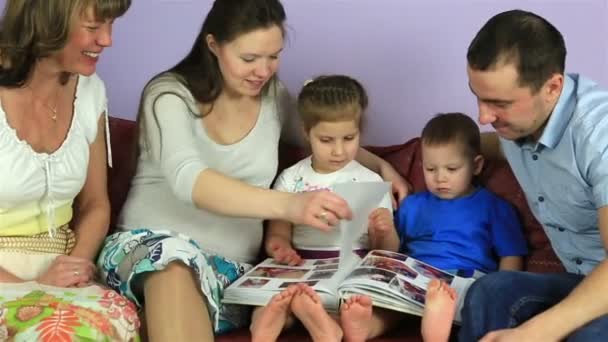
[
  {"x": 355, "y": 316},
  {"x": 267, "y": 322},
  {"x": 439, "y": 309},
  {"x": 307, "y": 307}
]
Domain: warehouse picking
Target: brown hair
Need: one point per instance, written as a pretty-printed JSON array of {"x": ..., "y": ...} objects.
[
  {"x": 448, "y": 128},
  {"x": 331, "y": 98},
  {"x": 34, "y": 29},
  {"x": 199, "y": 71},
  {"x": 529, "y": 41}
]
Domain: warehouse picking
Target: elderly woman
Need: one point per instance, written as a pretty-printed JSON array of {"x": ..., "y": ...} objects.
[{"x": 54, "y": 208}]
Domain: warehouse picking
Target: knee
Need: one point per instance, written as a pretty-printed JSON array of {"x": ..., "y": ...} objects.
[
  {"x": 485, "y": 289},
  {"x": 174, "y": 272}
]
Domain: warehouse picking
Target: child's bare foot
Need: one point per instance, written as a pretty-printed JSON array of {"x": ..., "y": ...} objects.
[
  {"x": 439, "y": 309},
  {"x": 268, "y": 321},
  {"x": 307, "y": 307},
  {"x": 355, "y": 316}
]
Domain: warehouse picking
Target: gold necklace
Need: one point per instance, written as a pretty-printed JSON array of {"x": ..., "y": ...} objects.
[{"x": 53, "y": 110}]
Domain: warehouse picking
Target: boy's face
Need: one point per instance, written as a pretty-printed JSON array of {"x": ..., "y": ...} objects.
[
  {"x": 448, "y": 170},
  {"x": 333, "y": 144}
]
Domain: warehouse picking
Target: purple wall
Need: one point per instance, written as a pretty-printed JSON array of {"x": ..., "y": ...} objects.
[{"x": 410, "y": 54}]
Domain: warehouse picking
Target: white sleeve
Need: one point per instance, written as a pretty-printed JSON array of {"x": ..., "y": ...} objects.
[
  {"x": 170, "y": 139},
  {"x": 282, "y": 182}
]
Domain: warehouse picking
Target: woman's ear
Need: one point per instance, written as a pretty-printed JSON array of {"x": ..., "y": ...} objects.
[
  {"x": 211, "y": 44},
  {"x": 478, "y": 164}
]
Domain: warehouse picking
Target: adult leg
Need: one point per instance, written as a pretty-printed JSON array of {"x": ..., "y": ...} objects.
[
  {"x": 176, "y": 310},
  {"x": 595, "y": 330},
  {"x": 506, "y": 299}
]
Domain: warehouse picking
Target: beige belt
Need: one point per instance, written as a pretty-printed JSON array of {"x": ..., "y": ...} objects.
[{"x": 62, "y": 242}]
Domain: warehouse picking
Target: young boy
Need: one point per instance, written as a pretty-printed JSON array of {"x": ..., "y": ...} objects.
[{"x": 455, "y": 225}]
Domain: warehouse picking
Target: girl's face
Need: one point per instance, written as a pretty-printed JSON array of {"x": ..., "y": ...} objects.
[
  {"x": 248, "y": 62},
  {"x": 86, "y": 40},
  {"x": 333, "y": 144}
]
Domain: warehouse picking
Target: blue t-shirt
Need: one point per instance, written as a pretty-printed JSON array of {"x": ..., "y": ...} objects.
[{"x": 467, "y": 233}]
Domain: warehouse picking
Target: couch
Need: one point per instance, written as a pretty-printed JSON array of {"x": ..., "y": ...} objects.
[{"x": 406, "y": 158}]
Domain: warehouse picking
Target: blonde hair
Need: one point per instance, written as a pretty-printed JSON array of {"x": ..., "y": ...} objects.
[
  {"x": 34, "y": 29},
  {"x": 331, "y": 98}
]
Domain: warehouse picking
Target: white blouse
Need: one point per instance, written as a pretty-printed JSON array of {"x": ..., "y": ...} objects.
[{"x": 34, "y": 184}]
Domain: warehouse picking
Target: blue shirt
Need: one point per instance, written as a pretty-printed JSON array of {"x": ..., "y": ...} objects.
[
  {"x": 467, "y": 233},
  {"x": 565, "y": 174}
]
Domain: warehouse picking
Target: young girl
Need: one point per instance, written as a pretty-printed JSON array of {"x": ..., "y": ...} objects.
[{"x": 331, "y": 109}]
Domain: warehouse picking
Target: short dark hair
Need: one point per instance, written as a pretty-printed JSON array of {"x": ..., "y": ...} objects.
[
  {"x": 447, "y": 128},
  {"x": 331, "y": 98},
  {"x": 526, "y": 39}
]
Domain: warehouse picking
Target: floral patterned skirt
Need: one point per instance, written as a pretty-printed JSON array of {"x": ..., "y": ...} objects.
[
  {"x": 128, "y": 254},
  {"x": 34, "y": 312}
]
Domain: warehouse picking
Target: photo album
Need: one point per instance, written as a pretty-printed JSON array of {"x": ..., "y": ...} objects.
[{"x": 392, "y": 280}]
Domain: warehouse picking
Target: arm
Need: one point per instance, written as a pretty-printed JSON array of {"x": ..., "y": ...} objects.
[
  {"x": 277, "y": 243},
  {"x": 192, "y": 181},
  {"x": 8, "y": 277},
  {"x": 92, "y": 209},
  {"x": 382, "y": 232},
  {"x": 511, "y": 263},
  {"x": 490, "y": 146},
  {"x": 588, "y": 301}
]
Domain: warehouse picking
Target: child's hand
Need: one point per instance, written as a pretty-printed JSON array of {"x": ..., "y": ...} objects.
[
  {"x": 282, "y": 252},
  {"x": 381, "y": 223}
]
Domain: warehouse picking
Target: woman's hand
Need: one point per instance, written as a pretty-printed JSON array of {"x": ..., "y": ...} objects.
[
  {"x": 320, "y": 209},
  {"x": 68, "y": 271},
  {"x": 400, "y": 186}
]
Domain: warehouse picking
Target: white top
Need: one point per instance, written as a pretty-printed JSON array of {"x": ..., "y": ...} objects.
[
  {"x": 175, "y": 148},
  {"x": 301, "y": 177},
  {"x": 35, "y": 183}
]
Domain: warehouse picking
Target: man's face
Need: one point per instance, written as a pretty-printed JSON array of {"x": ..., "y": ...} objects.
[{"x": 514, "y": 111}]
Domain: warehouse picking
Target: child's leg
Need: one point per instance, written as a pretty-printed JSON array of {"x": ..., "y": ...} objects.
[
  {"x": 361, "y": 322},
  {"x": 439, "y": 312},
  {"x": 355, "y": 316},
  {"x": 267, "y": 322},
  {"x": 307, "y": 307},
  {"x": 382, "y": 321}
]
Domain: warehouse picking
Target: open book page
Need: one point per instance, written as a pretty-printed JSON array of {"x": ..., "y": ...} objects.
[
  {"x": 398, "y": 282},
  {"x": 362, "y": 198},
  {"x": 268, "y": 278}
]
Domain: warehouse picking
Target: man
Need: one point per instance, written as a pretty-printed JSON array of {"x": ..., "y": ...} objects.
[{"x": 553, "y": 130}]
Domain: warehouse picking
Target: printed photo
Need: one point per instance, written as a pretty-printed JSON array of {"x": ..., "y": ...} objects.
[
  {"x": 278, "y": 272},
  {"x": 322, "y": 274},
  {"x": 409, "y": 290},
  {"x": 373, "y": 274},
  {"x": 254, "y": 283},
  {"x": 287, "y": 283},
  {"x": 431, "y": 272},
  {"x": 388, "y": 254},
  {"x": 391, "y": 265},
  {"x": 327, "y": 261},
  {"x": 326, "y": 267}
]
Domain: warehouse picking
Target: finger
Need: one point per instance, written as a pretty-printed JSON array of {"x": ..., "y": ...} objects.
[
  {"x": 336, "y": 204},
  {"x": 320, "y": 224}
]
